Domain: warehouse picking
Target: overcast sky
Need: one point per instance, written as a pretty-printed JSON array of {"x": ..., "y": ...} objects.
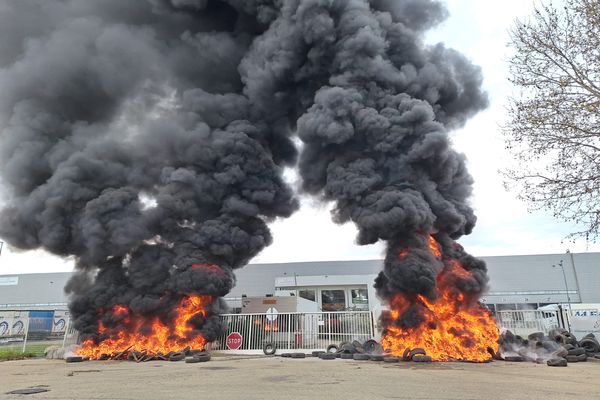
[{"x": 479, "y": 30}]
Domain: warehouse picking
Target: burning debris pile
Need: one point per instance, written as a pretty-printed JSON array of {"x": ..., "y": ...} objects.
[
  {"x": 147, "y": 141},
  {"x": 556, "y": 349}
]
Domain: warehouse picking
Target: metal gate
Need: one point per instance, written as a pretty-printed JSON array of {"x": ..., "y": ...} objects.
[
  {"x": 527, "y": 321},
  {"x": 293, "y": 331}
]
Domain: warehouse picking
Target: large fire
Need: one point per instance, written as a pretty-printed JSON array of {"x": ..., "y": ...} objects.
[
  {"x": 453, "y": 327},
  {"x": 137, "y": 333}
]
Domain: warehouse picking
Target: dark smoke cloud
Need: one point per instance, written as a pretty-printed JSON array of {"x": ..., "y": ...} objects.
[{"x": 144, "y": 137}]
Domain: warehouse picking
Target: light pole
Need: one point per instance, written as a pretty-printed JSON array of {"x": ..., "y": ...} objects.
[
  {"x": 567, "y": 289},
  {"x": 1, "y": 246}
]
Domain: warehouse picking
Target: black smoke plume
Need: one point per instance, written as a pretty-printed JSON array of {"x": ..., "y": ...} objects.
[{"x": 142, "y": 137}]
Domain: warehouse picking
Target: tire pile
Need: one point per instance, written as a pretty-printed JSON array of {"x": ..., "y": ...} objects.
[
  {"x": 557, "y": 349},
  {"x": 370, "y": 350},
  {"x": 188, "y": 355}
]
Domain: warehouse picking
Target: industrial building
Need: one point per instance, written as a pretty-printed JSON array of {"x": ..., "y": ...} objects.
[{"x": 516, "y": 282}]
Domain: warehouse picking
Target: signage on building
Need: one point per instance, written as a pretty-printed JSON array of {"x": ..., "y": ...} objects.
[{"x": 9, "y": 280}]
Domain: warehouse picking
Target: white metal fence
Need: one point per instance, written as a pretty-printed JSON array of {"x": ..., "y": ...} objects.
[
  {"x": 33, "y": 331},
  {"x": 248, "y": 333},
  {"x": 525, "y": 322}
]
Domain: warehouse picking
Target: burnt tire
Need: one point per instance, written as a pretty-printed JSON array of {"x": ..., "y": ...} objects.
[
  {"x": 286, "y": 355},
  {"x": 422, "y": 358},
  {"x": 317, "y": 353},
  {"x": 74, "y": 359},
  {"x": 332, "y": 348},
  {"x": 177, "y": 356},
  {"x": 202, "y": 357},
  {"x": 346, "y": 356},
  {"x": 269, "y": 348},
  {"x": 582, "y": 357},
  {"x": 327, "y": 356},
  {"x": 391, "y": 359},
  {"x": 538, "y": 336},
  {"x": 376, "y": 357},
  {"x": 513, "y": 358},
  {"x": 406, "y": 355},
  {"x": 577, "y": 352},
  {"x": 556, "y": 362},
  {"x": 298, "y": 355},
  {"x": 572, "y": 359},
  {"x": 191, "y": 360},
  {"x": 590, "y": 345},
  {"x": 361, "y": 357}
]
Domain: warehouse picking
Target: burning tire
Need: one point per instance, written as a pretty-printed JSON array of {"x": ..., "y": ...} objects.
[
  {"x": 361, "y": 357},
  {"x": 332, "y": 348},
  {"x": 269, "y": 348},
  {"x": 416, "y": 352},
  {"x": 406, "y": 355}
]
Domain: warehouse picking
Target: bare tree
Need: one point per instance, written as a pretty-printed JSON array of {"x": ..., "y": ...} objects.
[{"x": 553, "y": 128}]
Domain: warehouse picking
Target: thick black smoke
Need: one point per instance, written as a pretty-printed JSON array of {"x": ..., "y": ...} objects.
[{"x": 142, "y": 137}]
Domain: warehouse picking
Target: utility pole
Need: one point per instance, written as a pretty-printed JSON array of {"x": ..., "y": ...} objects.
[
  {"x": 575, "y": 274},
  {"x": 567, "y": 289},
  {"x": 1, "y": 246}
]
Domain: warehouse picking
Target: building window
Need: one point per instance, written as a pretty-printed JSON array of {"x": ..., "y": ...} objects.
[
  {"x": 308, "y": 294},
  {"x": 360, "y": 299},
  {"x": 333, "y": 300}
]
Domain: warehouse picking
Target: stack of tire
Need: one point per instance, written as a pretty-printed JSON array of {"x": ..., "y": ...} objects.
[
  {"x": 369, "y": 350},
  {"x": 556, "y": 349}
]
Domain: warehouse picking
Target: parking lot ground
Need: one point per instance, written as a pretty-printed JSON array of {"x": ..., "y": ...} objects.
[{"x": 229, "y": 377}]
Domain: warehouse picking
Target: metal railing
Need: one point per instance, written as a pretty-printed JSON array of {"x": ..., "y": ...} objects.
[
  {"x": 293, "y": 331},
  {"x": 32, "y": 331},
  {"x": 524, "y": 322}
]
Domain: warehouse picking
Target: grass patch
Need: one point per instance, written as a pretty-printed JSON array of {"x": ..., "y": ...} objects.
[{"x": 16, "y": 352}]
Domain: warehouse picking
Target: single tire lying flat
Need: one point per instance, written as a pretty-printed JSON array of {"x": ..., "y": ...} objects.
[
  {"x": 576, "y": 352},
  {"x": 191, "y": 360},
  {"x": 572, "y": 359},
  {"x": 557, "y": 362},
  {"x": 177, "y": 356},
  {"x": 298, "y": 355},
  {"x": 376, "y": 357},
  {"x": 327, "y": 356},
  {"x": 582, "y": 357},
  {"x": 421, "y": 358},
  {"x": 286, "y": 355},
  {"x": 513, "y": 358},
  {"x": 317, "y": 353},
  {"x": 361, "y": 357},
  {"x": 202, "y": 357},
  {"x": 74, "y": 359},
  {"x": 346, "y": 356},
  {"x": 391, "y": 359}
]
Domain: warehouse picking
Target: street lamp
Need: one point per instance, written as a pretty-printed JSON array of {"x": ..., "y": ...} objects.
[{"x": 567, "y": 289}]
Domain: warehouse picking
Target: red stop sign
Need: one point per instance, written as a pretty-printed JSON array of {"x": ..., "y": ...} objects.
[{"x": 234, "y": 341}]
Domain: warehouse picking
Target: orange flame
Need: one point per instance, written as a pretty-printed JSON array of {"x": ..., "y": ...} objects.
[
  {"x": 139, "y": 333},
  {"x": 454, "y": 326}
]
